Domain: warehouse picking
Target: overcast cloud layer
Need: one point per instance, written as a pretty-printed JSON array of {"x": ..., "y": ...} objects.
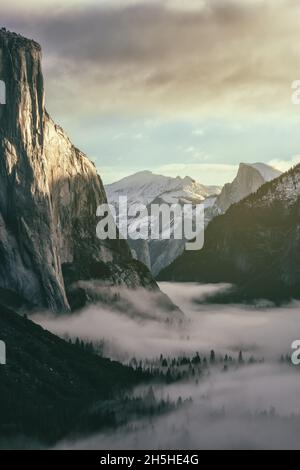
[
  {"x": 222, "y": 55},
  {"x": 171, "y": 86}
]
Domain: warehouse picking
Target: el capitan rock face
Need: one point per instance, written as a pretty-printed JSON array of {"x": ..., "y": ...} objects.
[{"x": 49, "y": 192}]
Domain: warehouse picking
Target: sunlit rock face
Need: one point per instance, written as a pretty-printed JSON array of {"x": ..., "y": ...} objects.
[
  {"x": 49, "y": 192},
  {"x": 249, "y": 179}
]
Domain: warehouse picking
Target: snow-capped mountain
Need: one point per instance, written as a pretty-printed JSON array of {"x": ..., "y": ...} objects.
[
  {"x": 148, "y": 188},
  {"x": 144, "y": 187},
  {"x": 249, "y": 178}
]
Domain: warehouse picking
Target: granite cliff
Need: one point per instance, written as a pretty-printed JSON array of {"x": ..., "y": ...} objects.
[{"x": 49, "y": 192}]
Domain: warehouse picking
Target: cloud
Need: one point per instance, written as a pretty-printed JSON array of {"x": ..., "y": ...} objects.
[
  {"x": 206, "y": 173},
  {"x": 198, "y": 132},
  {"x": 255, "y": 407},
  {"x": 211, "y": 173},
  {"x": 250, "y": 407},
  {"x": 153, "y": 56},
  {"x": 285, "y": 165},
  {"x": 263, "y": 331}
]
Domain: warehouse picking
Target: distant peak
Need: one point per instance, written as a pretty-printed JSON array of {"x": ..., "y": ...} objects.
[
  {"x": 267, "y": 172},
  {"x": 248, "y": 165},
  {"x": 189, "y": 179},
  {"x": 143, "y": 172}
]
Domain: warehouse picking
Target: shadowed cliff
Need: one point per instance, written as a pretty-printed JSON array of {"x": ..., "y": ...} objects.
[{"x": 49, "y": 192}]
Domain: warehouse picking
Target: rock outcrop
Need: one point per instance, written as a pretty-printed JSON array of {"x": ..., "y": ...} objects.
[
  {"x": 255, "y": 245},
  {"x": 249, "y": 178},
  {"x": 49, "y": 192}
]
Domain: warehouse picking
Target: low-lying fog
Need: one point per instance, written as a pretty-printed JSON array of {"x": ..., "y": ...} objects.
[
  {"x": 256, "y": 406},
  {"x": 250, "y": 408},
  {"x": 264, "y": 330}
]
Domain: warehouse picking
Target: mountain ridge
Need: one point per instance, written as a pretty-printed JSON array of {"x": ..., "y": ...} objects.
[
  {"x": 146, "y": 187},
  {"x": 254, "y": 245},
  {"x": 149, "y": 188}
]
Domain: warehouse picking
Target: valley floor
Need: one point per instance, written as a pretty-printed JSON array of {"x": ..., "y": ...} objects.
[{"x": 229, "y": 380}]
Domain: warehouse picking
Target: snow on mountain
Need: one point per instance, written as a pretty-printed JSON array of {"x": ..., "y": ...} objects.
[
  {"x": 145, "y": 186},
  {"x": 148, "y": 188}
]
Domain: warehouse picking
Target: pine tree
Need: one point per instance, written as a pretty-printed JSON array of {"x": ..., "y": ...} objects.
[
  {"x": 241, "y": 360},
  {"x": 164, "y": 363},
  {"x": 179, "y": 401}
]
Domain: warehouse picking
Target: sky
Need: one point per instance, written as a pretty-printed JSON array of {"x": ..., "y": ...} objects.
[{"x": 178, "y": 88}]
